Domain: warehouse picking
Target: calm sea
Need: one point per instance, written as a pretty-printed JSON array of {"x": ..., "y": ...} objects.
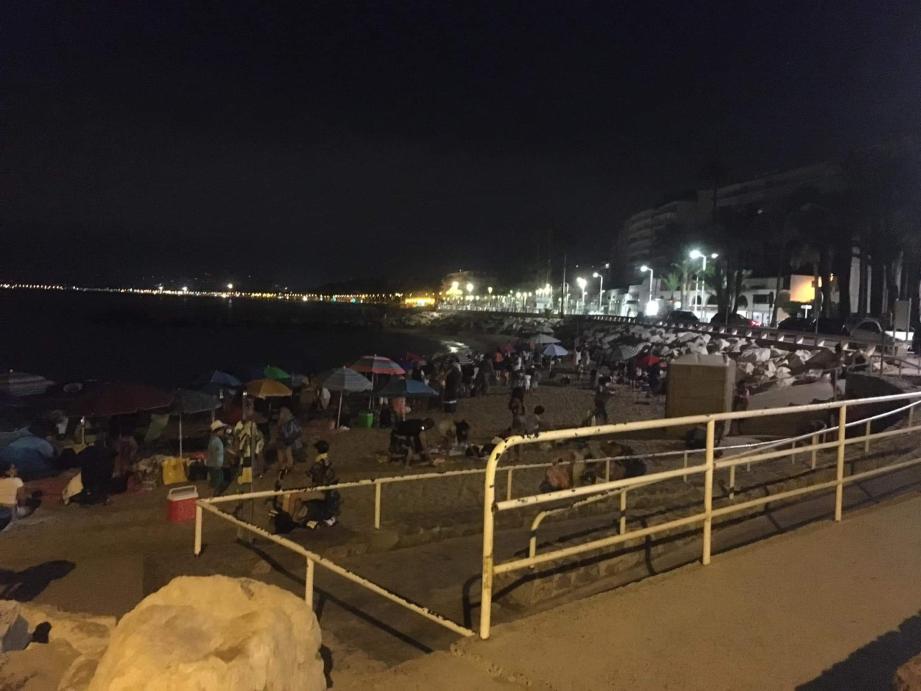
[{"x": 169, "y": 341}]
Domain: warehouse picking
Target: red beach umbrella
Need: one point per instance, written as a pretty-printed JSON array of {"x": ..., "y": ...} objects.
[{"x": 119, "y": 398}]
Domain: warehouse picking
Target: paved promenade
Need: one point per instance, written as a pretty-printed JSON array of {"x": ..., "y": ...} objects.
[{"x": 828, "y": 606}]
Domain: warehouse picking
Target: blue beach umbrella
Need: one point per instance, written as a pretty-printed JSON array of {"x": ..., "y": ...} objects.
[
  {"x": 407, "y": 388},
  {"x": 554, "y": 350}
]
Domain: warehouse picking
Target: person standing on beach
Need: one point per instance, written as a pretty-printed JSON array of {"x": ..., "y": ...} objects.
[
  {"x": 602, "y": 396},
  {"x": 517, "y": 409},
  {"x": 452, "y": 387},
  {"x": 290, "y": 442},
  {"x": 215, "y": 462}
]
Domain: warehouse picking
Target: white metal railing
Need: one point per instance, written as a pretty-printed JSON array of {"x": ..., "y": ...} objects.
[
  {"x": 313, "y": 559},
  {"x": 751, "y": 453},
  {"x": 377, "y": 483},
  {"x": 705, "y": 517}
]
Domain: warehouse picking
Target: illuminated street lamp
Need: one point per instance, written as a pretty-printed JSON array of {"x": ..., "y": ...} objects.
[
  {"x": 600, "y": 278},
  {"x": 582, "y": 283},
  {"x": 652, "y": 305},
  {"x": 230, "y": 286},
  {"x": 469, "y": 287},
  {"x": 697, "y": 254},
  {"x": 185, "y": 289}
]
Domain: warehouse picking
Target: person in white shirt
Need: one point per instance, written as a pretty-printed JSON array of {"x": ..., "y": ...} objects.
[{"x": 13, "y": 494}]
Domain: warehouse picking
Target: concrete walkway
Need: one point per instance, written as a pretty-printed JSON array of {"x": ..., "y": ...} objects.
[{"x": 831, "y": 606}]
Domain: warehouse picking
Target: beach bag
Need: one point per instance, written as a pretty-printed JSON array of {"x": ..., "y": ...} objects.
[
  {"x": 246, "y": 475},
  {"x": 173, "y": 471}
]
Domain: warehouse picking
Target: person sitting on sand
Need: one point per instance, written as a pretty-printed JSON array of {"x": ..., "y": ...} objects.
[
  {"x": 533, "y": 423},
  {"x": 407, "y": 438},
  {"x": 13, "y": 495},
  {"x": 321, "y": 472},
  {"x": 557, "y": 477}
]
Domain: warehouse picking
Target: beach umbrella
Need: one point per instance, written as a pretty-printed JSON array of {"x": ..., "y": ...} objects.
[
  {"x": 23, "y": 384},
  {"x": 543, "y": 339},
  {"x": 221, "y": 379},
  {"x": 276, "y": 373},
  {"x": 647, "y": 360},
  {"x": 119, "y": 398},
  {"x": 344, "y": 380},
  {"x": 188, "y": 402},
  {"x": 554, "y": 350},
  {"x": 267, "y": 388},
  {"x": 624, "y": 352},
  {"x": 376, "y": 364},
  {"x": 407, "y": 388}
]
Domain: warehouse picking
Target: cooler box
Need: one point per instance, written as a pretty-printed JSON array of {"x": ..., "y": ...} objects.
[
  {"x": 181, "y": 504},
  {"x": 366, "y": 420}
]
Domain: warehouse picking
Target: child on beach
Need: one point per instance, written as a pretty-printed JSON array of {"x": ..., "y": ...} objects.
[{"x": 532, "y": 423}]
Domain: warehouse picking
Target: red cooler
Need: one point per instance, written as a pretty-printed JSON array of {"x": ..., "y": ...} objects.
[{"x": 181, "y": 504}]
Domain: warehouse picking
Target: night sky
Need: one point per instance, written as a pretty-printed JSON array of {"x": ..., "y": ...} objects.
[{"x": 323, "y": 141}]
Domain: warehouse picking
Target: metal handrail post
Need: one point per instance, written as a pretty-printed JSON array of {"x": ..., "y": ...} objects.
[
  {"x": 308, "y": 583},
  {"x": 489, "y": 527},
  {"x": 378, "y": 486},
  {"x": 866, "y": 438},
  {"x": 623, "y": 511},
  {"x": 199, "y": 520},
  {"x": 839, "y": 474},
  {"x": 708, "y": 491},
  {"x": 815, "y": 451},
  {"x": 508, "y": 483}
]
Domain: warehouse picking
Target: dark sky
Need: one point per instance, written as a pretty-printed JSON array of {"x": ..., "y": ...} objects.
[{"x": 326, "y": 140}]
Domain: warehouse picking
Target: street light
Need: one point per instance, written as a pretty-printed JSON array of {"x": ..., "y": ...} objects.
[
  {"x": 600, "y": 278},
  {"x": 652, "y": 305},
  {"x": 581, "y": 282},
  {"x": 697, "y": 254},
  {"x": 230, "y": 286}
]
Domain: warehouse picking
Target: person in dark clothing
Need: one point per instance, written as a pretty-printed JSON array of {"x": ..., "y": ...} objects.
[
  {"x": 602, "y": 396},
  {"x": 97, "y": 463},
  {"x": 406, "y": 438},
  {"x": 452, "y": 388}
]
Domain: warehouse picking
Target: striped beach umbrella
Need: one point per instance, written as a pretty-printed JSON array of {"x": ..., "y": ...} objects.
[{"x": 377, "y": 364}]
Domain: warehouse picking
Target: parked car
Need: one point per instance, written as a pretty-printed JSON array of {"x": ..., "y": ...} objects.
[
  {"x": 865, "y": 329},
  {"x": 681, "y": 317},
  {"x": 735, "y": 319},
  {"x": 797, "y": 324}
]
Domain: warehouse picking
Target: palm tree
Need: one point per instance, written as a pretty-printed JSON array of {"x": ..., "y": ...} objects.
[{"x": 672, "y": 282}]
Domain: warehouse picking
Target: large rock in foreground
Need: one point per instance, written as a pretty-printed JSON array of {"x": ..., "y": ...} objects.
[{"x": 214, "y": 633}]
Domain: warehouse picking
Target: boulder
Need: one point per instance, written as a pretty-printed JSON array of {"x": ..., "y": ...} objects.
[
  {"x": 14, "y": 630},
  {"x": 214, "y": 632},
  {"x": 755, "y": 355}
]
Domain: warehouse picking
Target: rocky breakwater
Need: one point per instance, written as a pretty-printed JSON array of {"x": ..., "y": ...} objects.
[
  {"x": 473, "y": 322},
  {"x": 762, "y": 367}
]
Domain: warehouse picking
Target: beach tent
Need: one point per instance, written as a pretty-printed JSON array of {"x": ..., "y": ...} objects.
[
  {"x": 31, "y": 455},
  {"x": 14, "y": 383},
  {"x": 188, "y": 402},
  {"x": 345, "y": 380}
]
